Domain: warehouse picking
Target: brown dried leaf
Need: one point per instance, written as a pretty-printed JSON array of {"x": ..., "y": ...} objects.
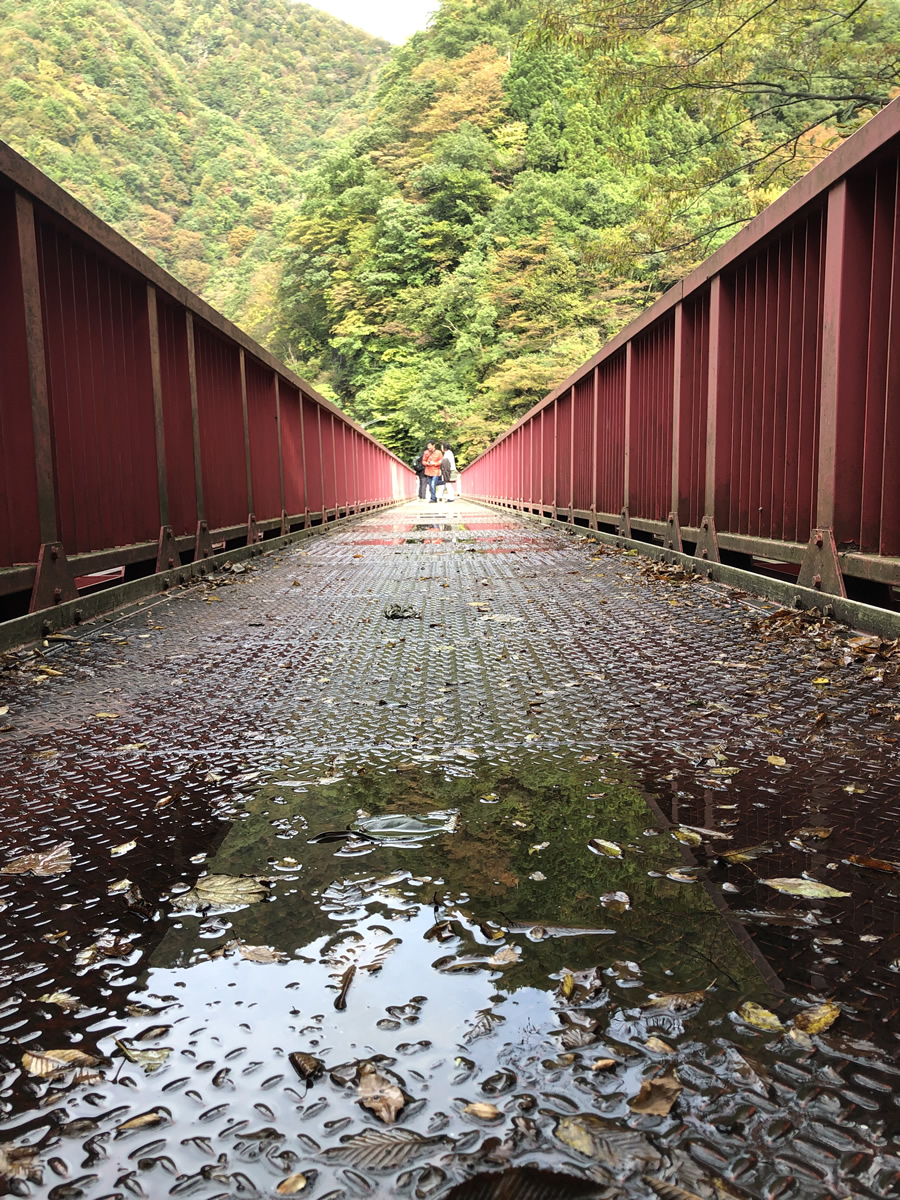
[
  {"x": 55, "y": 861},
  {"x": 63, "y": 999},
  {"x": 53, "y": 1062},
  {"x": 658, "y": 1046},
  {"x": 677, "y": 1001},
  {"x": 505, "y": 957},
  {"x": 657, "y": 1096},
  {"x": 306, "y": 1065},
  {"x": 222, "y": 891},
  {"x": 260, "y": 954},
  {"x": 384, "y": 1098},
  {"x": 19, "y": 1162},
  {"x": 146, "y": 1120},
  {"x": 812, "y": 831},
  {"x": 483, "y": 1110},
  {"x": 874, "y": 864},
  {"x": 151, "y": 1060}
]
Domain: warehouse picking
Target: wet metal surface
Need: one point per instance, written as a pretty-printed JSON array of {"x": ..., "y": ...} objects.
[{"x": 530, "y": 792}]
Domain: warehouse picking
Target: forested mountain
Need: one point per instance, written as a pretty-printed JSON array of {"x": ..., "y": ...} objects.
[
  {"x": 533, "y": 173},
  {"x": 184, "y": 123},
  {"x": 437, "y": 234}
]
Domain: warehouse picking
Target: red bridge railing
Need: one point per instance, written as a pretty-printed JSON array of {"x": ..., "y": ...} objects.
[
  {"x": 139, "y": 429},
  {"x": 752, "y": 414}
]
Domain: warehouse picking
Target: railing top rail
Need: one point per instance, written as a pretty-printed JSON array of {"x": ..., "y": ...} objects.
[
  {"x": 865, "y": 143},
  {"x": 63, "y": 207}
]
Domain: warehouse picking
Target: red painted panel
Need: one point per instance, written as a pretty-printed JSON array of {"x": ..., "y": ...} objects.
[
  {"x": 583, "y": 448},
  {"x": 177, "y": 418},
  {"x": 548, "y": 455},
  {"x": 20, "y": 531},
  {"x": 313, "y": 451},
  {"x": 101, "y": 402},
  {"x": 610, "y": 444},
  {"x": 650, "y": 465},
  {"x": 326, "y": 427},
  {"x": 563, "y": 450},
  {"x": 263, "y": 425},
  {"x": 221, "y": 413},
  {"x": 692, "y": 426},
  {"x": 292, "y": 448}
]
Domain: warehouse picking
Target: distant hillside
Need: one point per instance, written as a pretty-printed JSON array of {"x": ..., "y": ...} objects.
[{"x": 183, "y": 122}]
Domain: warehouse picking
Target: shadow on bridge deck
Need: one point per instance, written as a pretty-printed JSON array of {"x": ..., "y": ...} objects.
[{"x": 547, "y": 697}]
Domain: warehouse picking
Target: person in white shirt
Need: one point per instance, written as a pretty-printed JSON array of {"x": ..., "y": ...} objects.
[{"x": 449, "y": 473}]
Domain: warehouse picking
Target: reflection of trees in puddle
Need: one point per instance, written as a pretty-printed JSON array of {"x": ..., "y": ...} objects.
[{"x": 473, "y": 959}]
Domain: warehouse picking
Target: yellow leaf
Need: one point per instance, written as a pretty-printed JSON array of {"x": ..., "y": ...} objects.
[
  {"x": 759, "y": 1017},
  {"x": 809, "y": 888},
  {"x": 609, "y": 849},
  {"x": 818, "y": 1018},
  {"x": 822, "y": 679},
  {"x": 658, "y": 1046},
  {"x": 156, "y": 1116},
  {"x": 657, "y": 1096},
  {"x": 603, "y": 1064},
  {"x": 123, "y": 849},
  {"x": 106, "y": 716},
  {"x": 775, "y": 760},
  {"x": 292, "y": 1185}
]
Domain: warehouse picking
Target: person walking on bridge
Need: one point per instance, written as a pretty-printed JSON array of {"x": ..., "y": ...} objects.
[
  {"x": 432, "y": 460},
  {"x": 449, "y": 473},
  {"x": 419, "y": 468}
]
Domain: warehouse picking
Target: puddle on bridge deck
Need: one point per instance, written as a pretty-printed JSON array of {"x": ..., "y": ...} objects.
[{"x": 525, "y": 998}]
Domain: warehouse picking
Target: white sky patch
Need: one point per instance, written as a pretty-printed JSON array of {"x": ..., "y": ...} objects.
[{"x": 395, "y": 21}]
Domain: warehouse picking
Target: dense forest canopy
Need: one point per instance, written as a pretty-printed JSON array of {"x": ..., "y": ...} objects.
[{"x": 437, "y": 234}]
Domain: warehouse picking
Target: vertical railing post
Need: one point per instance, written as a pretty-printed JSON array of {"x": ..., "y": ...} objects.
[
  {"x": 572, "y": 454},
  {"x": 720, "y": 388},
  {"x": 202, "y": 542},
  {"x": 162, "y": 481},
  {"x": 303, "y": 457},
  {"x": 625, "y": 524},
  {"x": 37, "y": 369},
  {"x": 54, "y": 582},
  {"x": 285, "y": 525},
  {"x": 844, "y": 366},
  {"x": 595, "y": 404},
  {"x": 247, "y": 460},
  {"x": 675, "y": 505}
]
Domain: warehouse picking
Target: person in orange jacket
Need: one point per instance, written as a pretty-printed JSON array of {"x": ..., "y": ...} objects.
[{"x": 432, "y": 461}]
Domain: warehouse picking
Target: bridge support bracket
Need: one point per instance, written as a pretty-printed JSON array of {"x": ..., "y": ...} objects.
[
  {"x": 285, "y": 523},
  {"x": 707, "y": 543},
  {"x": 254, "y": 533},
  {"x": 167, "y": 556},
  {"x": 673, "y": 533},
  {"x": 592, "y": 520},
  {"x": 820, "y": 568},
  {"x": 202, "y": 542},
  {"x": 54, "y": 581},
  {"x": 625, "y": 524}
]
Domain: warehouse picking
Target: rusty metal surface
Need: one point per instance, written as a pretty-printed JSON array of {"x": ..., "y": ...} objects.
[{"x": 157, "y": 726}]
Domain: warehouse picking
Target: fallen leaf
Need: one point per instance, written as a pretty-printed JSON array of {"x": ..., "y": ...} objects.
[
  {"x": 384, "y": 1098},
  {"x": 121, "y": 885},
  {"x": 657, "y": 1096},
  {"x": 381, "y": 1149},
  {"x": 146, "y": 1120},
  {"x": 821, "y": 680},
  {"x": 20, "y": 1162},
  {"x": 609, "y": 849},
  {"x": 658, "y": 1046},
  {"x": 482, "y": 1110},
  {"x": 809, "y": 888},
  {"x": 106, "y": 716},
  {"x": 620, "y": 1150},
  {"x": 856, "y": 789},
  {"x": 677, "y": 1001},
  {"x": 306, "y": 1065},
  {"x": 150, "y": 1060},
  {"x": 873, "y": 864},
  {"x": 537, "y": 876},
  {"x": 222, "y": 891},
  {"x": 801, "y": 1038},
  {"x": 55, "y": 861},
  {"x": 123, "y": 849},
  {"x": 817, "y": 1019},
  {"x": 680, "y": 875},
  {"x": 746, "y": 853},
  {"x": 775, "y": 760},
  {"x": 52, "y": 1062},
  {"x": 812, "y": 831},
  {"x": 616, "y": 901},
  {"x": 106, "y": 946},
  {"x": 63, "y": 999},
  {"x": 725, "y": 771},
  {"x": 292, "y": 1185},
  {"x": 603, "y": 1064},
  {"x": 505, "y": 957},
  {"x": 687, "y": 836},
  {"x": 260, "y": 954},
  {"x": 759, "y": 1017}
]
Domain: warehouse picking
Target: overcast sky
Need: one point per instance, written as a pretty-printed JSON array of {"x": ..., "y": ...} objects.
[{"x": 394, "y": 21}]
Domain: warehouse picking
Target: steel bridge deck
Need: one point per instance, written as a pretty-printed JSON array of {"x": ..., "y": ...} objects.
[{"x": 162, "y": 725}]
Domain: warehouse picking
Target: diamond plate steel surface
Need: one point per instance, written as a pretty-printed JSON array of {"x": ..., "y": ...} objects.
[{"x": 159, "y": 726}]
